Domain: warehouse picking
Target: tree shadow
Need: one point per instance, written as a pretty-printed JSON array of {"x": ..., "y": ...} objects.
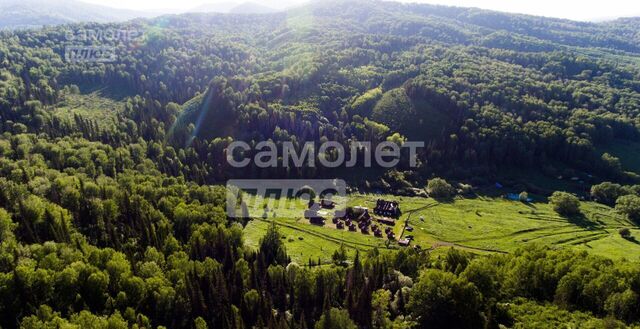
[
  {"x": 582, "y": 221},
  {"x": 107, "y": 92},
  {"x": 448, "y": 199}
]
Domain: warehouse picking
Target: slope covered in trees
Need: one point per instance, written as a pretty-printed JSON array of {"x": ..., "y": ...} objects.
[
  {"x": 485, "y": 89},
  {"x": 118, "y": 219}
]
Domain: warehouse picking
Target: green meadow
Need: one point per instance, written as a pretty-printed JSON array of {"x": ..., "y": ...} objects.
[
  {"x": 304, "y": 240},
  {"x": 478, "y": 225}
]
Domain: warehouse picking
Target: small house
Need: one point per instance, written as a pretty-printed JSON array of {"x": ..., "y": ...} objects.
[
  {"x": 327, "y": 204},
  {"x": 312, "y": 211},
  {"x": 358, "y": 210},
  {"x": 387, "y": 208},
  {"x": 387, "y": 221}
]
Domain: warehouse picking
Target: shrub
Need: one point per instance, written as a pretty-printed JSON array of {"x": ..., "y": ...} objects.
[
  {"x": 565, "y": 204},
  {"x": 439, "y": 188},
  {"x": 607, "y": 192},
  {"x": 466, "y": 188},
  {"x": 629, "y": 205},
  {"x": 524, "y": 196},
  {"x": 625, "y": 233}
]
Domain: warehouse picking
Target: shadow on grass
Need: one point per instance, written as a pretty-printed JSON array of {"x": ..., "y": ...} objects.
[
  {"x": 448, "y": 199},
  {"x": 631, "y": 239},
  {"x": 582, "y": 221}
]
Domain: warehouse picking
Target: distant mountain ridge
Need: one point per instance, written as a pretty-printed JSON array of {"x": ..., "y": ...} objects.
[
  {"x": 252, "y": 8},
  {"x": 17, "y": 14},
  {"x": 230, "y": 7},
  {"x": 20, "y": 14}
]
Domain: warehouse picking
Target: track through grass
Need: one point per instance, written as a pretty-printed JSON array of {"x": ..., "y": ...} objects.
[{"x": 481, "y": 225}]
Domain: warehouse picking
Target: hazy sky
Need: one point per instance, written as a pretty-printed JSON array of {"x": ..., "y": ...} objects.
[{"x": 572, "y": 9}]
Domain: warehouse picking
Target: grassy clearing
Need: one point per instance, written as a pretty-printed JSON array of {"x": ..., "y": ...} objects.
[
  {"x": 480, "y": 225},
  {"x": 494, "y": 224},
  {"x": 93, "y": 105},
  {"x": 304, "y": 240}
]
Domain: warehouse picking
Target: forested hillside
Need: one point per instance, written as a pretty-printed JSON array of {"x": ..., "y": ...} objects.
[
  {"x": 112, "y": 197},
  {"x": 481, "y": 88}
]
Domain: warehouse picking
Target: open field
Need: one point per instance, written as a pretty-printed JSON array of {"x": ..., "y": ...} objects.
[
  {"x": 94, "y": 105},
  {"x": 304, "y": 240},
  {"x": 480, "y": 225}
]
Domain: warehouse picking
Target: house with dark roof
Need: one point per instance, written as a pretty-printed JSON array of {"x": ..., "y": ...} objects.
[
  {"x": 387, "y": 221},
  {"x": 327, "y": 204},
  {"x": 313, "y": 215},
  {"x": 387, "y": 208}
]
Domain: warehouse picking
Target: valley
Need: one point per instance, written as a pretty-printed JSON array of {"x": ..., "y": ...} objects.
[{"x": 120, "y": 176}]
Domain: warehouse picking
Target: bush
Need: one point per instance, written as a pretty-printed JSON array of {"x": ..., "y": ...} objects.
[
  {"x": 625, "y": 233},
  {"x": 439, "y": 188},
  {"x": 565, "y": 204},
  {"x": 607, "y": 192},
  {"x": 524, "y": 196},
  {"x": 466, "y": 188},
  {"x": 629, "y": 205}
]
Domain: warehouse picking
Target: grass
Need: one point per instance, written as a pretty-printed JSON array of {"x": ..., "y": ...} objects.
[
  {"x": 302, "y": 239},
  {"x": 479, "y": 225},
  {"x": 93, "y": 105},
  {"x": 498, "y": 225}
]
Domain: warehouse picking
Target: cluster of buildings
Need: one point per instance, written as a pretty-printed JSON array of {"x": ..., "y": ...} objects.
[{"x": 359, "y": 218}]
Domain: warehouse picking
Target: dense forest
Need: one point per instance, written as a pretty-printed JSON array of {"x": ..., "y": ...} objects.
[{"x": 116, "y": 218}]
